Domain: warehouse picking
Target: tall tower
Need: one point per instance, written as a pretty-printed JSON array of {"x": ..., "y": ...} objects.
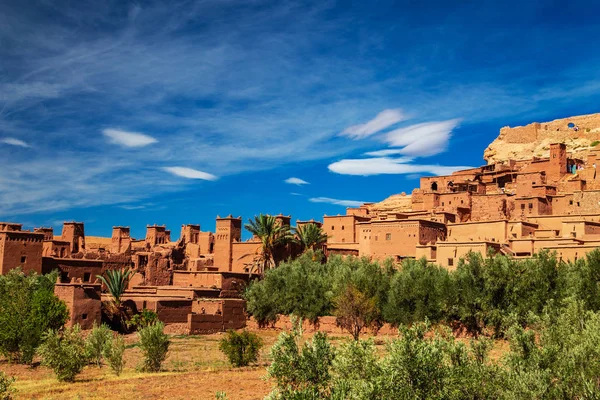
[
  {"x": 121, "y": 240},
  {"x": 228, "y": 231},
  {"x": 558, "y": 162},
  {"x": 74, "y": 233}
]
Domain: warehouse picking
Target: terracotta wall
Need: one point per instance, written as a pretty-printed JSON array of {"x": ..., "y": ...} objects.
[
  {"x": 22, "y": 249},
  {"x": 340, "y": 229},
  {"x": 83, "y": 302},
  {"x": 493, "y": 230}
]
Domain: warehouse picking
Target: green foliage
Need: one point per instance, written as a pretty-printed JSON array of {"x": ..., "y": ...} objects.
[
  {"x": 28, "y": 308},
  {"x": 96, "y": 342},
  {"x": 310, "y": 236},
  {"x": 418, "y": 291},
  {"x": 113, "y": 354},
  {"x": 116, "y": 282},
  {"x": 6, "y": 386},
  {"x": 221, "y": 396},
  {"x": 155, "y": 346},
  {"x": 142, "y": 320},
  {"x": 595, "y": 142},
  {"x": 301, "y": 373},
  {"x": 64, "y": 352},
  {"x": 241, "y": 349},
  {"x": 272, "y": 235}
]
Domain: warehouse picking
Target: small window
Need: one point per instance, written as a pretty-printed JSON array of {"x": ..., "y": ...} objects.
[
  {"x": 530, "y": 205},
  {"x": 449, "y": 203},
  {"x": 450, "y": 262},
  {"x": 522, "y": 206},
  {"x": 570, "y": 202},
  {"x": 87, "y": 276},
  {"x": 577, "y": 204},
  {"x": 342, "y": 227},
  {"x": 23, "y": 259},
  {"x": 442, "y": 203},
  {"x": 333, "y": 228},
  {"x": 83, "y": 316},
  {"x": 388, "y": 236}
]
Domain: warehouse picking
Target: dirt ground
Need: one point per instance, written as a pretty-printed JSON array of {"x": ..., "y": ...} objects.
[{"x": 195, "y": 369}]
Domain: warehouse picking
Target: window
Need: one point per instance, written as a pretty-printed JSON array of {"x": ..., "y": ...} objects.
[
  {"x": 450, "y": 262},
  {"x": 530, "y": 205},
  {"x": 570, "y": 202},
  {"x": 442, "y": 203},
  {"x": 83, "y": 316},
  {"x": 23, "y": 259},
  {"x": 522, "y": 206},
  {"x": 86, "y": 277},
  {"x": 333, "y": 228},
  {"x": 388, "y": 236},
  {"x": 577, "y": 204},
  {"x": 342, "y": 227}
]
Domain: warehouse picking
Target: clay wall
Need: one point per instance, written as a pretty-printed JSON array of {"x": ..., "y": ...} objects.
[
  {"x": 74, "y": 233},
  {"x": 56, "y": 248},
  {"x": 157, "y": 235},
  {"x": 526, "y": 207},
  {"x": 520, "y": 134},
  {"x": 173, "y": 311},
  {"x": 398, "y": 239},
  {"x": 83, "y": 302},
  {"x": 48, "y": 232},
  {"x": 21, "y": 249},
  {"x": 429, "y": 252},
  {"x": 10, "y": 226},
  {"x": 120, "y": 240},
  {"x": 526, "y": 181},
  {"x": 363, "y": 233},
  {"x": 449, "y": 253},
  {"x": 228, "y": 231},
  {"x": 491, "y": 207},
  {"x": 243, "y": 255},
  {"x": 478, "y": 231},
  {"x": 73, "y": 269},
  {"x": 340, "y": 229},
  {"x": 228, "y": 314},
  {"x": 450, "y": 202},
  {"x": 326, "y": 325}
]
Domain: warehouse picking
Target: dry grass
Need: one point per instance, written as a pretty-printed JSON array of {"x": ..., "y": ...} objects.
[{"x": 195, "y": 369}]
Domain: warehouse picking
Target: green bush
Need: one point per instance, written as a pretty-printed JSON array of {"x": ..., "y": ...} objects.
[
  {"x": 96, "y": 342},
  {"x": 595, "y": 142},
  {"x": 301, "y": 374},
  {"x": 6, "y": 389},
  {"x": 113, "y": 354},
  {"x": 155, "y": 346},
  {"x": 241, "y": 349},
  {"x": 64, "y": 352},
  {"x": 28, "y": 308},
  {"x": 142, "y": 320}
]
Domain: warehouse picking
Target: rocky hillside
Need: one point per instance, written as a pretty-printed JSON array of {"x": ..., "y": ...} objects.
[
  {"x": 395, "y": 203},
  {"x": 580, "y": 134}
]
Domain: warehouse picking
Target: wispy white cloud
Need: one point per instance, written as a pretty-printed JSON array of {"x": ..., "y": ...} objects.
[
  {"x": 387, "y": 152},
  {"x": 345, "y": 203},
  {"x": 421, "y": 140},
  {"x": 190, "y": 173},
  {"x": 384, "y": 165},
  {"x": 383, "y": 120},
  {"x": 296, "y": 181},
  {"x": 297, "y": 194},
  {"x": 14, "y": 142},
  {"x": 128, "y": 139}
]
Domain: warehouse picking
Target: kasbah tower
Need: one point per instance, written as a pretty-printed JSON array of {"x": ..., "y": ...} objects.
[{"x": 539, "y": 190}]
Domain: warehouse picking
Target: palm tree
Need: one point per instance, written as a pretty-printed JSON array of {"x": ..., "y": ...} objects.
[
  {"x": 116, "y": 281},
  {"x": 272, "y": 235},
  {"x": 310, "y": 236}
]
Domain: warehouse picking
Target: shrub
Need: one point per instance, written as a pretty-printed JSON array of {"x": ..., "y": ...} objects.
[
  {"x": 6, "y": 388},
  {"x": 241, "y": 349},
  {"x": 301, "y": 373},
  {"x": 355, "y": 310},
  {"x": 96, "y": 342},
  {"x": 28, "y": 308},
  {"x": 595, "y": 142},
  {"x": 142, "y": 320},
  {"x": 64, "y": 352},
  {"x": 155, "y": 346},
  {"x": 113, "y": 354}
]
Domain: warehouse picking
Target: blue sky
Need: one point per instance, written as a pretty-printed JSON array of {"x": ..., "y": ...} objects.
[{"x": 117, "y": 113}]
